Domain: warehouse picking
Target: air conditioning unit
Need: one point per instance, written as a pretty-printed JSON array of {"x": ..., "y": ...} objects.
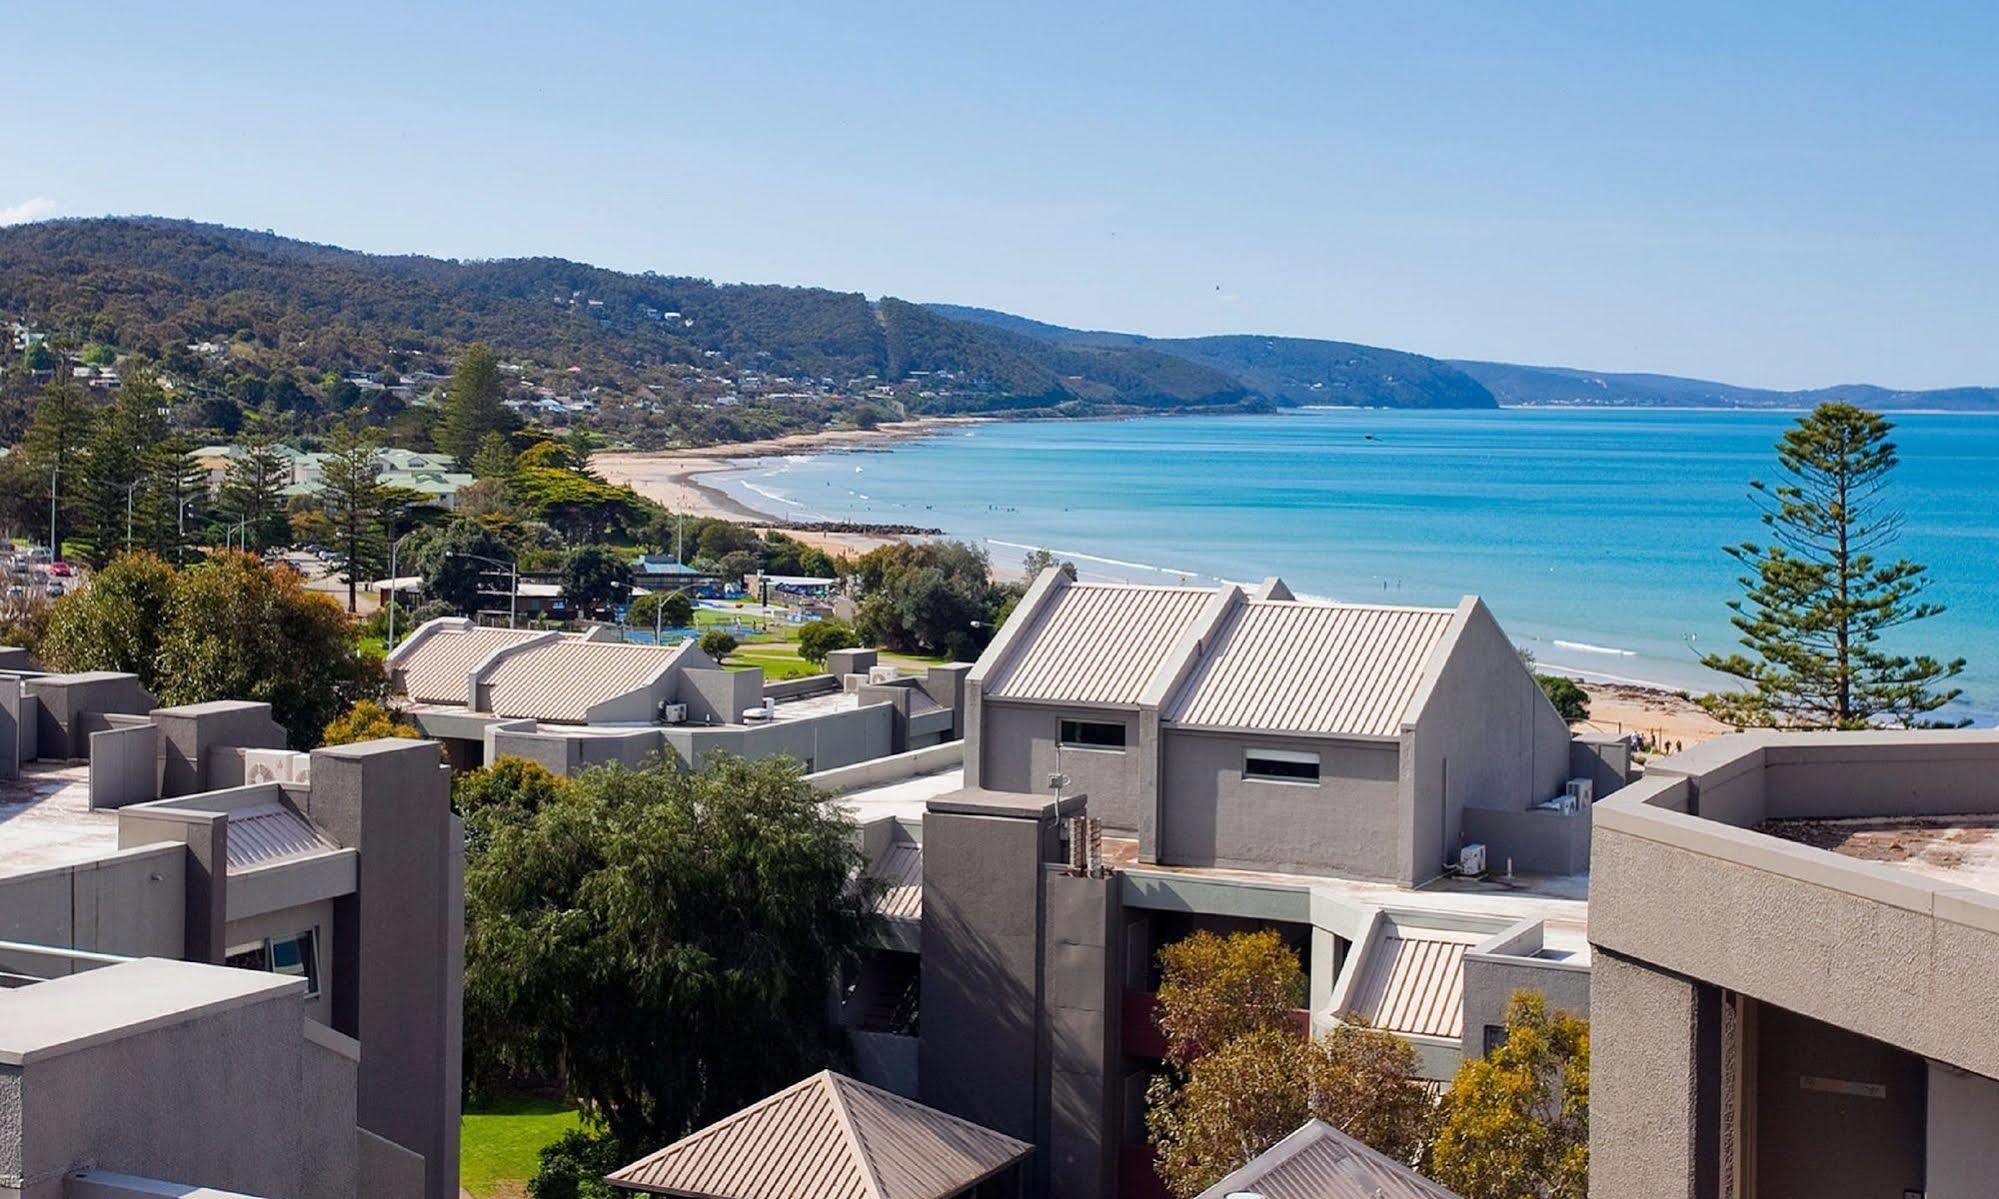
[
  {"x": 672, "y": 713},
  {"x": 1471, "y": 859},
  {"x": 1583, "y": 791},
  {"x": 761, "y": 712}
]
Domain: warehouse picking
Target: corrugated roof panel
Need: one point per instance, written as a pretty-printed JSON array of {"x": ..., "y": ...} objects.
[
  {"x": 563, "y": 679},
  {"x": 435, "y": 671},
  {"x": 1320, "y": 1162},
  {"x": 1331, "y": 669},
  {"x": 1097, "y": 643},
  {"x": 1413, "y": 982},
  {"x": 827, "y": 1137},
  {"x": 270, "y": 832},
  {"x": 900, "y": 867}
]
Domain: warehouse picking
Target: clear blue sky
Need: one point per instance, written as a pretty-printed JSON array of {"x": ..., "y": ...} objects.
[{"x": 1775, "y": 194}]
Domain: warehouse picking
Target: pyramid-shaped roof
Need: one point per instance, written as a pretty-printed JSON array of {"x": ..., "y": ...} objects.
[
  {"x": 1319, "y": 1161},
  {"x": 827, "y": 1137}
]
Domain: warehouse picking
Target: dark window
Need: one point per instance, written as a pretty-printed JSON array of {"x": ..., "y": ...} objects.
[
  {"x": 1281, "y": 765},
  {"x": 1495, "y": 1037},
  {"x": 1092, "y": 734},
  {"x": 296, "y": 955}
]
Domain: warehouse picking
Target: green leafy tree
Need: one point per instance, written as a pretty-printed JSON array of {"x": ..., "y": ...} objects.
[
  {"x": 661, "y": 609},
  {"x": 718, "y": 644},
  {"x": 1516, "y": 1123},
  {"x": 661, "y": 941},
  {"x": 822, "y": 637},
  {"x": 116, "y": 623},
  {"x": 495, "y": 457},
  {"x": 236, "y": 629},
  {"x": 252, "y": 494},
  {"x": 595, "y": 577},
  {"x": 368, "y": 720},
  {"x": 445, "y": 557},
  {"x": 473, "y": 404},
  {"x": 54, "y": 447},
  {"x": 352, "y": 497},
  {"x": 929, "y": 598},
  {"x": 1818, "y": 597},
  {"x": 579, "y": 507},
  {"x": 1568, "y": 697},
  {"x": 1241, "y": 1076}
]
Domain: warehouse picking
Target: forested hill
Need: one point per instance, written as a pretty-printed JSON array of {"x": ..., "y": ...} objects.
[
  {"x": 1565, "y": 385},
  {"x": 1289, "y": 370},
  {"x": 712, "y": 361}
]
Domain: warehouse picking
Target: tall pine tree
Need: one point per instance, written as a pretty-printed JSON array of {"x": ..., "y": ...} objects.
[
  {"x": 473, "y": 405},
  {"x": 252, "y": 495},
  {"x": 351, "y": 493},
  {"x": 1818, "y": 598},
  {"x": 53, "y": 447}
]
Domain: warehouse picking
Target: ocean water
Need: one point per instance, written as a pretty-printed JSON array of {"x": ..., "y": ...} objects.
[{"x": 1594, "y": 535}]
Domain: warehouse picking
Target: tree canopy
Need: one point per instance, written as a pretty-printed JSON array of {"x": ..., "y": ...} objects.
[
  {"x": 1516, "y": 1122},
  {"x": 1818, "y": 597},
  {"x": 928, "y": 598},
  {"x": 660, "y": 941}
]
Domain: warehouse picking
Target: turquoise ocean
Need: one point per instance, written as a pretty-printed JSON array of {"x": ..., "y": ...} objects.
[{"x": 1595, "y": 535}]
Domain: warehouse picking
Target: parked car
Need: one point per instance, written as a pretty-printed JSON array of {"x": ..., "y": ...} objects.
[
  {"x": 61, "y": 570},
  {"x": 55, "y": 588}
]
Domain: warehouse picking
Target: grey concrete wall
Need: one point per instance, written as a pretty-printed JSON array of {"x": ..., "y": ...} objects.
[
  {"x": 639, "y": 706},
  {"x": 124, "y": 765},
  {"x": 1487, "y": 737},
  {"x": 191, "y": 733},
  {"x": 206, "y": 882},
  {"x": 14, "y": 724},
  {"x": 1534, "y": 841},
  {"x": 389, "y": 1170},
  {"x": 718, "y": 696},
  {"x": 1211, "y": 815},
  {"x": 1083, "y": 976},
  {"x": 1490, "y": 983},
  {"x": 982, "y": 965},
  {"x": 885, "y": 1060},
  {"x": 316, "y": 916},
  {"x": 946, "y": 686},
  {"x": 843, "y": 662},
  {"x": 127, "y": 902},
  {"x": 68, "y": 700},
  {"x": 225, "y": 1100},
  {"x": 1602, "y": 758},
  {"x": 1643, "y": 1083},
  {"x": 398, "y": 945},
  {"x": 1017, "y": 744},
  {"x": 1961, "y": 1144}
]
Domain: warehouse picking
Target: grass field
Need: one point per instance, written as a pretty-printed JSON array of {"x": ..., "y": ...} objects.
[{"x": 499, "y": 1143}]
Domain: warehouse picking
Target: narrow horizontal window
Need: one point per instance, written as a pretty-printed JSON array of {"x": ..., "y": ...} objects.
[
  {"x": 1092, "y": 734},
  {"x": 1280, "y": 765},
  {"x": 296, "y": 955}
]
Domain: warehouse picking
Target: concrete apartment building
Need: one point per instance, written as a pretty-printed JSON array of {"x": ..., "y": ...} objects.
[
  {"x": 222, "y": 964},
  {"x": 1255, "y": 761},
  {"x": 570, "y": 701},
  {"x": 1796, "y": 965}
]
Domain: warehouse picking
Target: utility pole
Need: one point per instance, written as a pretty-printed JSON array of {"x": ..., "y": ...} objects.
[{"x": 55, "y": 548}]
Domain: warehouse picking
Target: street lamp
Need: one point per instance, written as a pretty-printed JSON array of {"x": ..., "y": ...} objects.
[
  {"x": 55, "y": 551},
  {"x": 131, "y": 487},
  {"x": 513, "y": 582}
]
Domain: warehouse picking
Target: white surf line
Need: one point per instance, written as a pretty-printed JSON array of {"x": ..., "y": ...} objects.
[{"x": 1164, "y": 570}]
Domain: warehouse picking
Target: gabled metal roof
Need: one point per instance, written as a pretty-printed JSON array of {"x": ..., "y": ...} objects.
[
  {"x": 1097, "y": 643},
  {"x": 1297, "y": 667},
  {"x": 434, "y": 670},
  {"x": 827, "y": 1137},
  {"x": 1320, "y": 1162},
  {"x": 1413, "y": 981},
  {"x": 563, "y": 679}
]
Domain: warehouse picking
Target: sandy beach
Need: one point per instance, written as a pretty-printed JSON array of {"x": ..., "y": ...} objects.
[
  {"x": 1661, "y": 716},
  {"x": 673, "y": 477}
]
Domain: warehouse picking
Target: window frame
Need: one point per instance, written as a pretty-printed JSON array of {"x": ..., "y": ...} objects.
[
  {"x": 1063, "y": 740},
  {"x": 1282, "y": 757},
  {"x": 266, "y": 948}
]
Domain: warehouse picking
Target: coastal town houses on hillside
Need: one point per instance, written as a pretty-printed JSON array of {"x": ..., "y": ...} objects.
[
  {"x": 1143, "y": 762},
  {"x": 435, "y": 477},
  {"x": 1796, "y": 961},
  {"x": 572, "y": 700},
  {"x": 222, "y": 964}
]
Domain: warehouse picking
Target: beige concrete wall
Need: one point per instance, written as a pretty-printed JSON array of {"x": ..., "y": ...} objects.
[
  {"x": 1642, "y": 1083},
  {"x": 1963, "y": 1137}
]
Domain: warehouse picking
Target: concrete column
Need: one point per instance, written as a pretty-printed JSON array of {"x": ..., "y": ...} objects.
[
  {"x": 1083, "y": 977},
  {"x": 1650, "y": 1092},
  {"x": 188, "y": 733}
]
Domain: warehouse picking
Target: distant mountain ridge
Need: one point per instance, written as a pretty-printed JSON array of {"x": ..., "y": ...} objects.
[{"x": 1549, "y": 385}]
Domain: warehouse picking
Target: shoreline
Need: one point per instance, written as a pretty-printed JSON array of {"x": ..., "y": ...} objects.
[{"x": 674, "y": 478}]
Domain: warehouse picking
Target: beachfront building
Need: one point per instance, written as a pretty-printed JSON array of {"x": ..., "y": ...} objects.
[
  {"x": 573, "y": 700},
  {"x": 1141, "y": 763},
  {"x": 222, "y": 964},
  {"x": 1796, "y": 962}
]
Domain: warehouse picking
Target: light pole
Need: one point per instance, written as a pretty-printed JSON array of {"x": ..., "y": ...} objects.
[
  {"x": 394, "y": 590},
  {"x": 55, "y": 551},
  {"x": 131, "y": 487},
  {"x": 513, "y": 582}
]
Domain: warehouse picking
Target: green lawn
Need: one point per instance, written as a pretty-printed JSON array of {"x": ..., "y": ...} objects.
[{"x": 499, "y": 1143}]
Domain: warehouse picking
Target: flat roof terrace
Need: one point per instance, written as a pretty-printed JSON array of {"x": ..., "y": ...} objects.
[
  {"x": 46, "y": 819},
  {"x": 1962, "y": 850}
]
